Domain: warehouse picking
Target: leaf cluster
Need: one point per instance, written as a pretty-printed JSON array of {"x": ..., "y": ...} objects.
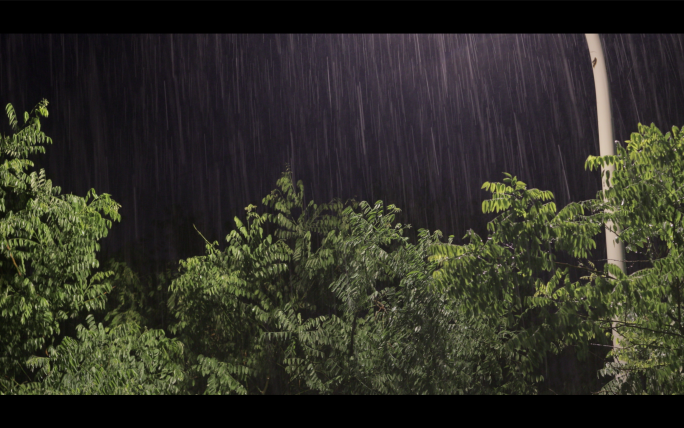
[
  {"x": 644, "y": 207},
  {"x": 335, "y": 301},
  {"x": 534, "y": 271},
  {"x": 124, "y": 360},
  {"x": 47, "y": 248}
]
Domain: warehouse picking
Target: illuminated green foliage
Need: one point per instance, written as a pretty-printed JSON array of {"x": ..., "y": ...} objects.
[
  {"x": 124, "y": 360},
  {"x": 646, "y": 203},
  {"x": 47, "y": 254},
  {"x": 337, "y": 302},
  {"x": 334, "y": 299},
  {"x": 513, "y": 275},
  {"x": 516, "y": 273}
]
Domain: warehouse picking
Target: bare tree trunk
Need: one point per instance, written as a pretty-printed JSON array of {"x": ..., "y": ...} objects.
[{"x": 615, "y": 250}]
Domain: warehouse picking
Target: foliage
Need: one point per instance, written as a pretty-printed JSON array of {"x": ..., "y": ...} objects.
[
  {"x": 135, "y": 298},
  {"x": 352, "y": 315},
  {"x": 645, "y": 203},
  {"x": 334, "y": 299},
  {"x": 126, "y": 300},
  {"x": 515, "y": 276},
  {"x": 123, "y": 360},
  {"x": 516, "y": 273},
  {"x": 48, "y": 249}
]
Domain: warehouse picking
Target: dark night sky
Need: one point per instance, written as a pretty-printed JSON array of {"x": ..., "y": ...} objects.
[{"x": 196, "y": 127}]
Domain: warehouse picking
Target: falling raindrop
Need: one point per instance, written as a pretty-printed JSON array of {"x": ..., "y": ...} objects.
[{"x": 193, "y": 128}]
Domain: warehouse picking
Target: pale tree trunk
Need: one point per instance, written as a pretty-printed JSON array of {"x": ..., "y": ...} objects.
[{"x": 615, "y": 251}]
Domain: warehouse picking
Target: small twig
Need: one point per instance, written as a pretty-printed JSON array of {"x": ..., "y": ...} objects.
[
  {"x": 15, "y": 263},
  {"x": 205, "y": 239},
  {"x": 268, "y": 378},
  {"x": 105, "y": 293},
  {"x": 631, "y": 325},
  {"x": 579, "y": 267}
]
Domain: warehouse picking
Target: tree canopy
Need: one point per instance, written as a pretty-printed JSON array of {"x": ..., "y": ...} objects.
[
  {"x": 49, "y": 240},
  {"x": 334, "y": 298}
]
